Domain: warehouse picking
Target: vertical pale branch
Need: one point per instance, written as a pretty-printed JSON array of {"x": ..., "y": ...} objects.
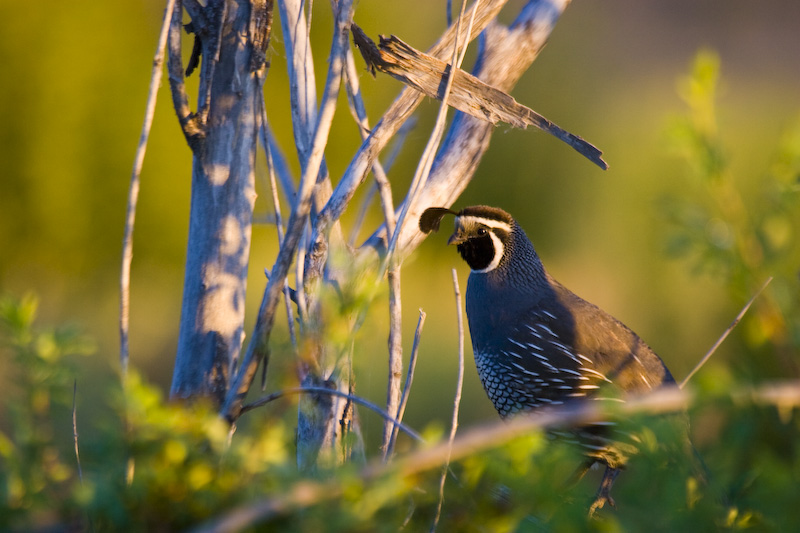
[
  {"x": 412, "y": 365},
  {"x": 223, "y": 194},
  {"x": 133, "y": 190},
  {"x": 300, "y": 66},
  {"x": 393, "y": 262},
  {"x": 456, "y": 400},
  {"x": 395, "y": 354},
  {"x": 276, "y": 203},
  {"x": 75, "y": 429},
  {"x": 259, "y": 341},
  {"x": 360, "y": 114}
]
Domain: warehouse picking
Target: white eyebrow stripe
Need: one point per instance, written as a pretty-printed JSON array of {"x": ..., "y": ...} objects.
[{"x": 488, "y": 222}]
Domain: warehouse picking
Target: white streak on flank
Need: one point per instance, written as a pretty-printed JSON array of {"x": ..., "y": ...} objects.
[
  {"x": 645, "y": 380},
  {"x": 524, "y": 370},
  {"x": 603, "y": 398},
  {"x": 499, "y": 249},
  {"x": 535, "y": 332},
  {"x": 562, "y": 347},
  {"x": 548, "y": 330},
  {"x": 596, "y": 373},
  {"x": 548, "y": 313}
]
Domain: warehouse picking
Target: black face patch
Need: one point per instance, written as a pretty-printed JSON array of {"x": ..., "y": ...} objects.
[{"x": 477, "y": 251}]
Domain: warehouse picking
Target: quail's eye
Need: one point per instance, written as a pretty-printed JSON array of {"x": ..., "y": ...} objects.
[{"x": 482, "y": 232}]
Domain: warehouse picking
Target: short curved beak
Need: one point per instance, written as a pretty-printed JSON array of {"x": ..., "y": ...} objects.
[{"x": 456, "y": 238}]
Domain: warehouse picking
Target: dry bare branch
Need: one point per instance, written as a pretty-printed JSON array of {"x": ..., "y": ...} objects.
[
  {"x": 333, "y": 392},
  {"x": 725, "y": 334},
  {"x": 422, "y": 172},
  {"x": 456, "y": 400},
  {"x": 192, "y": 129},
  {"x": 412, "y": 365},
  {"x": 75, "y": 429},
  {"x": 469, "y": 95},
  {"x": 259, "y": 342},
  {"x": 133, "y": 190}
]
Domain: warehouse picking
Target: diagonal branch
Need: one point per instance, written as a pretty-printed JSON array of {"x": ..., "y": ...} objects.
[
  {"x": 725, "y": 334},
  {"x": 334, "y": 392},
  {"x": 470, "y": 95}
]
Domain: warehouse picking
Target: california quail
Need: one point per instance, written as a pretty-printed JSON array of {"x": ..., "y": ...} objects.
[{"x": 535, "y": 342}]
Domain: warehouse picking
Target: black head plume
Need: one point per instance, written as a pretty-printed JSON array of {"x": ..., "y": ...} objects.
[{"x": 432, "y": 217}]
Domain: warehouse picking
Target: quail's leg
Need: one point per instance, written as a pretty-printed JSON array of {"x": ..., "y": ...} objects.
[{"x": 604, "y": 492}]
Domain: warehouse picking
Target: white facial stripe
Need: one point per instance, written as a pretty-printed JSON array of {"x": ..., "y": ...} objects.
[
  {"x": 499, "y": 249},
  {"x": 489, "y": 223}
]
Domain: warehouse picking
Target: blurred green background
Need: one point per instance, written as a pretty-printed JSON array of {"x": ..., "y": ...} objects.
[{"x": 73, "y": 91}]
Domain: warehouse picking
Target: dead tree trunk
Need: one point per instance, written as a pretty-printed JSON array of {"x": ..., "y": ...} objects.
[{"x": 223, "y": 137}]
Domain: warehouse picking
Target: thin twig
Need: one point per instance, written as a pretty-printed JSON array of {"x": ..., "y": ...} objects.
[
  {"x": 75, "y": 429},
  {"x": 281, "y": 167},
  {"x": 456, "y": 400},
  {"x": 133, "y": 191},
  {"x": 412, "y": 365},
  {"x": 332, "y": 392},
  {"x": 300, "y": 67},
  {"x": 193, "y": 130},
  {"x": 449, "y": 12},
  {"x": 392, "y": 263},
  {"x": 426, "y": 160},
  {"x": 358, "y": 110},
  {"x": 273, "y": 186},
  {"x": 725, "y": 334},
  {"x": 395, "y": 342}
]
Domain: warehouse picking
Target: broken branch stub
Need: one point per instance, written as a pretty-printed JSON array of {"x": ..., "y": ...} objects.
[{"x": 470, "y": 95}]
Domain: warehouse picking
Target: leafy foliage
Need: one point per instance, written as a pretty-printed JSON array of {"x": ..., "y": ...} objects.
[
  {"x": 740, "y": 231},
  {"x": 160, "y": 467}
]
